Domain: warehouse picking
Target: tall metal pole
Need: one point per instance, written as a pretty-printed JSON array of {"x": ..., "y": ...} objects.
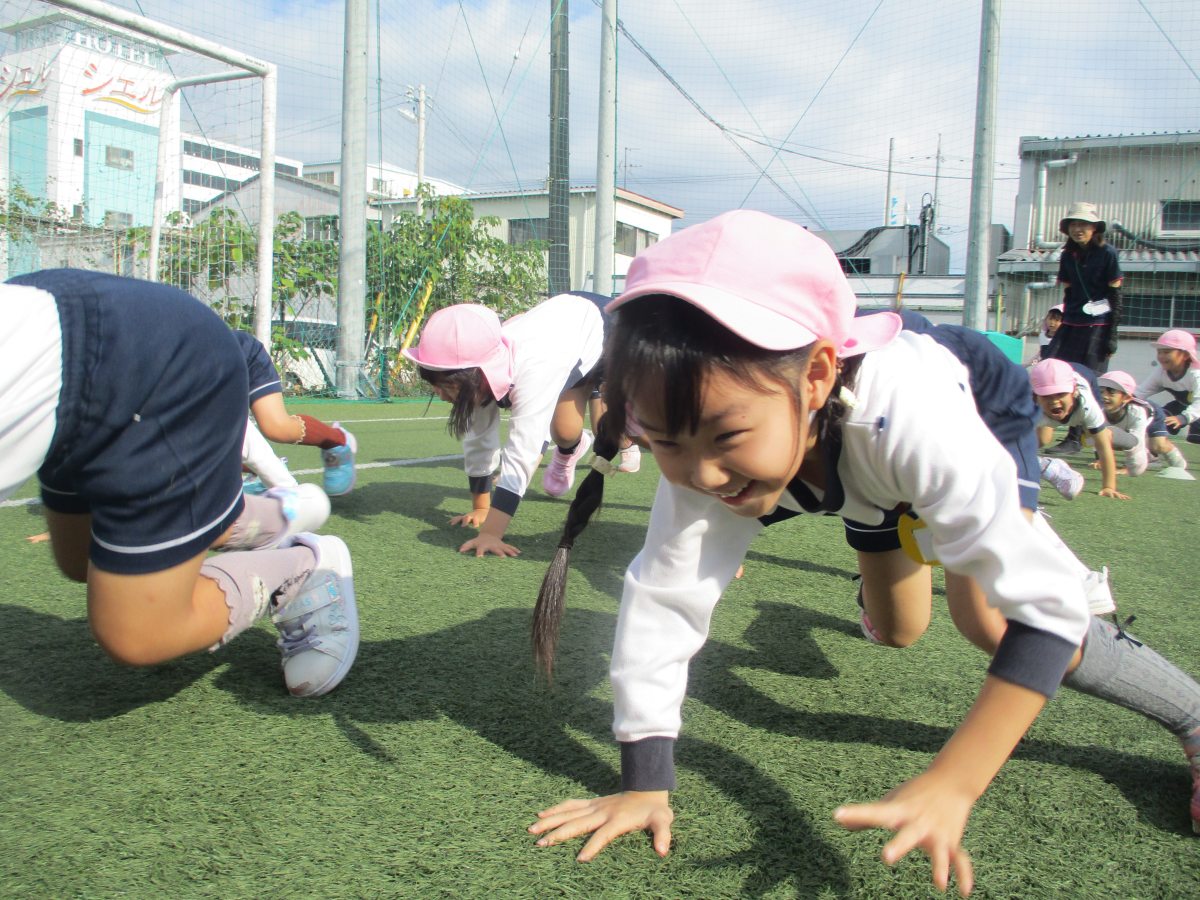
[
  {"x": 420, "y": 145},
  {"x": 352, "y": 227},
  {"x": 975, "y": 289},
  {"x": 606, "y": 153},
  {"x": 558, "y": 227},
  {"x": 887, "y": 195}
]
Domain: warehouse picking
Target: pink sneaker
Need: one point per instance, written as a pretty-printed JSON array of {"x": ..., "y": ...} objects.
[
  {"x": 560, "y": 474},
  {"x": 630, "y": 459}
]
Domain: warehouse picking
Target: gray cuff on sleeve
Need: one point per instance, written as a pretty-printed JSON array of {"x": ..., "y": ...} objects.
[
  {"x": 480, "y": 484},
  {"x": 1032, "y": 658},
  {"x": 505, "y": 501},
  {"x": 648, "y": 764}
]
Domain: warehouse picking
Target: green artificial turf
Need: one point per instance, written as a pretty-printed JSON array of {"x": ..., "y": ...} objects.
[{"x": 419, "y": 775}]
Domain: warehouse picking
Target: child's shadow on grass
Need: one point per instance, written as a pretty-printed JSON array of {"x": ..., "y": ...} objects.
[
  {"x": 480, "y": 675},
  {"x": 58, "y": 670}
]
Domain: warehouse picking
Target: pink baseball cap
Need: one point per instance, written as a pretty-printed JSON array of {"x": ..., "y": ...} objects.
[
  {"x": 466, "y": 336},
  {"x": 1052, "y": 376},
  {"x": 1121, "y": 381},
  {"x": 767, "y": 280},
  {"x": 1178, "y": 339},
  {"x": 1058, "y": 308}
]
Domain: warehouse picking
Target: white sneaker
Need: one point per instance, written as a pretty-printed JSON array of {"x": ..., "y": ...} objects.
[
  {"x": 318, "y": 628},
  {"x": 1065, "y": 480},
  {"x": 1099, "y": 595},
  {"x": 631, "y": 459}
]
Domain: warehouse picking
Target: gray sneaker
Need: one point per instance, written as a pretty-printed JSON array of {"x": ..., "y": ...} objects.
[{"x": 318, "y": 628}]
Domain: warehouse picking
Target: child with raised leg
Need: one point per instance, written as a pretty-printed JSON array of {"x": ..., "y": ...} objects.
[
  {"x": 128, "y": 399},
  {"x": 736, "y": 349},
  {"x": 338, "y": 446}
]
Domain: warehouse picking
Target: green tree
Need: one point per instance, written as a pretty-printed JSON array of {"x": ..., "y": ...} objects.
[{"x": 462, "y": 256}]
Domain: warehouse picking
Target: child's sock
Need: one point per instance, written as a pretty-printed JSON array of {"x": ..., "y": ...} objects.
[
  {"x": 318, "y": 434},
  {"x": 1120, "y": 669},
  {"x": 260, "y": 524},
  {"x": 251, "y": 580},
  {"x": 1175, "y": 459}
]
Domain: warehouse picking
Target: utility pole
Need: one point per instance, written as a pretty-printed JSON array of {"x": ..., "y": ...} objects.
[
  {"x": 975, "y": 285},
  {"x": 352, "y": 225},
  {"x": 420, "y": 103},
  {"x": 606, "y": 133},
  {"x": 558, "y": 227}
]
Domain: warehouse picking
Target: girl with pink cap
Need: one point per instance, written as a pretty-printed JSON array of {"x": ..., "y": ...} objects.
[
  {"x": 736, "y": 348},
  {"x": 1178, "y": 374},
  {"x": 543, "y": 367},
  {"x": 1138, "y": 428},
  {"x": 1067, "y": 394}
]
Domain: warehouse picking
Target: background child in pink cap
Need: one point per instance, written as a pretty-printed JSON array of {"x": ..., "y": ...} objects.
[
  {"x": 1178, "y": 374},
  {"x": 737, "y": 350},
  {"x": 1138, "y": 427},
  {"x": 1067, "y": 394},
  {"x": 543, "y": 366}
]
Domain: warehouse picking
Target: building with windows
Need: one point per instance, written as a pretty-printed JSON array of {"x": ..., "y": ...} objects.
[
  {"x": 384, "y": 181},
  {"x": 1147, "y": 188},
  {"x": 640, "y": 222},
  {"x": 81, "y": 123}
]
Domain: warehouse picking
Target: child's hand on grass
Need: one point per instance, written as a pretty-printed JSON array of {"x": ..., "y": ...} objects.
[
  {"x": 607, "y": 818},
  {"x": 483, "y": 544},
  {"x": 473, "y": 519},
  {"x": 926, "y": 813},
  {"x": 1114, "y": 493}
]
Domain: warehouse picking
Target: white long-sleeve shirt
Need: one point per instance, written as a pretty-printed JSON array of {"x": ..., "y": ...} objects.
[
  {"x": 913, "y": 437},
  {"x": 553, "y": 345},
  {"x": 1185, "y": 389}
]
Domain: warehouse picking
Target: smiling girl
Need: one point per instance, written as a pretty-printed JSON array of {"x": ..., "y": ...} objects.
[{"x": 762, "y": 395}]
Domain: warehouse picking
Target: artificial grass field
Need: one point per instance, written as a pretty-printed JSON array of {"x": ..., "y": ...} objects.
[{"x": 418, "y": 776}]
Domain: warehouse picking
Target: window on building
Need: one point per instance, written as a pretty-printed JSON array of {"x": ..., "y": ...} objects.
[
  {"x": 191, "y": 206},
  {"x": 77, "y": 212},
  {"x": 321, "y": 228},
  {"x": 380, "y": 186},
  {"x": 1181, "y": 217},
  {"x": 629, "y": 240},
  {"x": 320, "y": 177},
  {"x": 79, "y": 146},
  {"x": 522, "y": 231},
  {"x": 116, "y": 219},
  {"x": 855, "y": 265},
  {"x": 282, "y": 169},
  {"x": 118, "y": 157},
  {"x": 1160, "y": 312}
]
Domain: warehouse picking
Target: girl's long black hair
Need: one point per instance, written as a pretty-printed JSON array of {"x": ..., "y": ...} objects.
[
  {"x": 672, "y": 345},
  {"x": 472, "y": 393}
]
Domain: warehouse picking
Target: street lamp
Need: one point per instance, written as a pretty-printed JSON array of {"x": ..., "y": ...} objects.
[{"x": 419, "y": 103}]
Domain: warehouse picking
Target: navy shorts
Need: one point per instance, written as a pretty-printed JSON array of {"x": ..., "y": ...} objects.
[
  {"x": 1158, "y": 421},
  {"x": 1005, "y": 403},
  {"x": 596, "y": 376},
  {"x": 150, "y": 419}
]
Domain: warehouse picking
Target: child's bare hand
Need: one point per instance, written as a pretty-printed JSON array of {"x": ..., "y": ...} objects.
[
  {"x": 1114, "y": 493},
  {"x": 607, "y": 818},
  {"x": 39, "y": 538},
  {"x": 473, "y": 519},
  {"x": 925, "y": 813},
  {"x": 483, "y": 544}
]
